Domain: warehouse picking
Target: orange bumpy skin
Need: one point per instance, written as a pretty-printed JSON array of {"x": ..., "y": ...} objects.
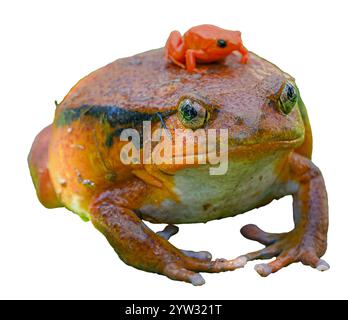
[
  {"x": 76, "y": 162},
  {"x": 204, "y": 44}
]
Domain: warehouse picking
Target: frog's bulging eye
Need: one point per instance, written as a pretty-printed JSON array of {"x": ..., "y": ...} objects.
[
  {"x": 221, "y": 43},
  {"x": 192, "y": 114},
  {"x": 288, "y": 97}
]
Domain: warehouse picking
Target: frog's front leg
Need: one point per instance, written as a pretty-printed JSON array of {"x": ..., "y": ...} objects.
[
  {"x": 191, "y": 56},
  {"x": 245, "y": 54},
  {"x": 113, "y": 213},
  {"x": 307, "y": 242}
]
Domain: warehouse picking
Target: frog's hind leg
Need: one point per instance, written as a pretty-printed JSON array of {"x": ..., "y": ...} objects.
[
  {"x": 170, "y": 230},
  {"x": 37, "y": 160},
  {"x": 175, "y": 49}
]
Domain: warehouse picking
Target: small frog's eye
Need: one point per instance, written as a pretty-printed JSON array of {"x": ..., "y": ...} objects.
[
  {"x": 192, "y": 114},
  {"x": 221, "y": 43},
  {"x": 288, "y": 97}
]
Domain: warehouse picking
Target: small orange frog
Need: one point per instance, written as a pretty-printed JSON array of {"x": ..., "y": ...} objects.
[{"x": 205, "y": 43}]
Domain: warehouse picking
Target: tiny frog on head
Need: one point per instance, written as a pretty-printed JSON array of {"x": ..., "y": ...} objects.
[{"x": 205, "y": 43}]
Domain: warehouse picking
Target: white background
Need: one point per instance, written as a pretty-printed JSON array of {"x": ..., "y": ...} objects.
[{"x": 47, "y": 46}]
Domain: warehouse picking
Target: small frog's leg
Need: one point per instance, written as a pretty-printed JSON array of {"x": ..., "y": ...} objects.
[
  {"x": 171, "y": 230},
  {"x": 175, "y": 49},
  {"x": 190, "y": 58},
  {"x": 245, "y": 54},
  {"x": 307, "y": 242},
  {"x": 139, "y": 246}
]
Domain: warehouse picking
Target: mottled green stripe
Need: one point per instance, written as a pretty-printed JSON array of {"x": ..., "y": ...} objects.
[{"x": 117, "y": 118}]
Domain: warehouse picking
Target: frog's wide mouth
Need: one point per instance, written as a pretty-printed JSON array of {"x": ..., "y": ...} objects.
[
  {"x": 240, "y": 151},
  {"x": 281, "y": 143}
]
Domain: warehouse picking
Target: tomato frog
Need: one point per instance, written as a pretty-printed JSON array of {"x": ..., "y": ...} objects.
[
  {"x": 204, "y": 43},
  {"x": 76, "y": 161}
]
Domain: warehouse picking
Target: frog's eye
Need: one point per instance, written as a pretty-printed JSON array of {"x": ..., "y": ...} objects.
[
  {"x": 288, "y": 97},
  {"x": 221, "y": 43},
  {"x": 192, "y": 114}
]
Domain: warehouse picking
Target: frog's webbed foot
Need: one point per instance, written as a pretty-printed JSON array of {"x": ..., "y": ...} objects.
[
  {"x": 170, "y": 230},
  {"x": 286, "y": 247}
]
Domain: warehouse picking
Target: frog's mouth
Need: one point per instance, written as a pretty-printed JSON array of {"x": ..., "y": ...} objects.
[
  {"x": 251, "y": 151},
  {"x": 268, "y": 143},
  {"x": 234, "y": 148}
]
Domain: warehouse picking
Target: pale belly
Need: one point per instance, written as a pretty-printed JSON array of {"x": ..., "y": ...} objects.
[{"x": 203, "y": 197}]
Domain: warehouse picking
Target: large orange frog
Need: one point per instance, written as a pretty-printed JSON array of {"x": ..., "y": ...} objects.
[
  {"x": 76, "y": 162},
  {"x": 205, "y": 43}
]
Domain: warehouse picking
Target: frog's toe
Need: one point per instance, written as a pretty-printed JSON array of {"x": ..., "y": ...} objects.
[
  {"x": 201, "y": 255},
  {"x": 253, "y": 232},
  {"x": 169, "y": 231},
  {"x": 187, "y": 268},
  {"x": 265, "y": 253},
  {"x": 322, "y": 265},
  {"x": 265, "y": 269},
  {"x": 201, "y": 70},
  {"x": 215, "y": 266},
  {"x": 309, "y": 258},
  {"x": 197, "y": 280},
  {"x": 240, "y": 262},
  {"x": 174, "y": 272}
]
